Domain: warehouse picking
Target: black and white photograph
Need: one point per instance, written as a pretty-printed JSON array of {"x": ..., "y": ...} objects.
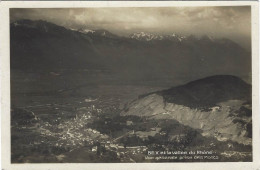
[{"x": 131, "y": 84}]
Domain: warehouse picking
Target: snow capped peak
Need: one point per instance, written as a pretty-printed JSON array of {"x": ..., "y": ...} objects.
[
  {"x": 145, "y": 36},
  {"x": 148, "y": 37},
  {"x": 104, "y": 33},
  {"x": 73, "y": 29},
  {"x": 85, "y": 30},
  {"x": 173, "y": 35}
]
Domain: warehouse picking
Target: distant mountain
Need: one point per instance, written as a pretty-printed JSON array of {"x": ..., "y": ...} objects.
[
  {"x": 220, "y": 106},
  {"x": 43, "y": 45},
  {"x": 40, "y": 45}
]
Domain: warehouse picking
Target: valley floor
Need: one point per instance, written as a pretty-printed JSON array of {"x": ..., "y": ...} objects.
[{"x": 76, "y": 127}]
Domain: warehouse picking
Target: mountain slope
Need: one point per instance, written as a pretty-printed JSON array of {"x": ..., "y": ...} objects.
[
  {"x": 42, "y": 45},
  {"x": 209, "y": 104}
]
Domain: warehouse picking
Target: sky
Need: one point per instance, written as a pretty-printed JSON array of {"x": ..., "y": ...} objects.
[{"x": 233, "y": 22}]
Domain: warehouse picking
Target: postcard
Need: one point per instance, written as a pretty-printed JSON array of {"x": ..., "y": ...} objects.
[{"x": 133, "y": 85}]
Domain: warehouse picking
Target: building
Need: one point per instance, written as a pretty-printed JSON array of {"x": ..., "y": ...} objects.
[
  {"x": 94, "y": 149},
  {"x": 129, "y": 123}
]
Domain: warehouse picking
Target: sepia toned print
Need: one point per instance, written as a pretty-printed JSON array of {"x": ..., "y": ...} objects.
[{"x": 123, "y": 85}]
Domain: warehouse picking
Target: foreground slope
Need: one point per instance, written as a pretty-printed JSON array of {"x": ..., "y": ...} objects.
[{"x": 220, "y": 106}]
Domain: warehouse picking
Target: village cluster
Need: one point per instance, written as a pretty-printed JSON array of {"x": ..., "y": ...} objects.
[{"x": 73, "y": 133}]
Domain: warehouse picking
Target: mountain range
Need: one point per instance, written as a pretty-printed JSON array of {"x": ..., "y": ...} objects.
[{"x": 41, "y": 45}]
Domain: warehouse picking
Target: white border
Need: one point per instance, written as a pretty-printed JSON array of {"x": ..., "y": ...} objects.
[{"x": 5, "y": 83}]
